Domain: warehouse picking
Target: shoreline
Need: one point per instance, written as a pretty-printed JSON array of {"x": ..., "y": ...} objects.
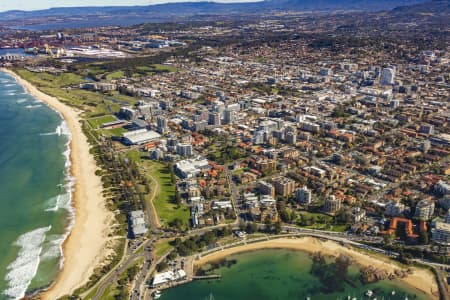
[
  {"x": 86, "y": 239},
  {"x": 421, "y": 279}
]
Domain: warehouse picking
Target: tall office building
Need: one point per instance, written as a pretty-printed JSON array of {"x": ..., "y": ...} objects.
[
  {"x": 214, "y": 119},
  {"x": 184, "y": 149},
  {"x": 332, "y": 204},
  {"x": 229, "y": 116},
  {"x": 266, "y": 188},
  {"x": 387, "y": 76},
  {"x": 303, "y": 195},
  {"x": 162, "y": 124},
  {"x": 424, "y": 210},
  {"x": 283, "y": 186}
]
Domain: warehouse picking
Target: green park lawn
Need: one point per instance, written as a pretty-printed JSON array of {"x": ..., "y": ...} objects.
[
  {"x": 162, "y": 248},
  {"x": 98, "y": 121},
  {"x": 164, "y": 201}
]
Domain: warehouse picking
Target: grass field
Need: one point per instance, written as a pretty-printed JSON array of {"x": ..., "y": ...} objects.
[
  {"x": 162, "y": 248},
  {"x": 164, "y": 201},
  {"x": 166, "y": 68},
  {"x": 98, "y": 121},
  {"x": 115, "y": 75},
  {"x": 134, "y": 155},
  {"x": 113, "y": 131},
  {"x": 62, "y": 87},
  {"x": 49, "y": 80},
  {"x": 322, "y": 222}
]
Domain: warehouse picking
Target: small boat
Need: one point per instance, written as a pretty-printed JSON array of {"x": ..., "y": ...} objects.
[
  {"x": 156, "y": 294},
  {"x": 393, "y": 293},
  {"x": 369, "y": 293}
]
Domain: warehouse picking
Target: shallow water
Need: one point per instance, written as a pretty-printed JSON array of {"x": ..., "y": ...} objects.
[
  {"x": 281, "y": 274},
  {"x": 35, "y": 190}
]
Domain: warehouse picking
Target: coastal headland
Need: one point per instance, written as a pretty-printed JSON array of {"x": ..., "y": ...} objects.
[
  {"x": 420, "y": 279},
  {"x": 83, "y": 249}
]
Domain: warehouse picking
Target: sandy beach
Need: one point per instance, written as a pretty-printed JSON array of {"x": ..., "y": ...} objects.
[
  {"x": 420, "y": 279},
  {"x": 84, "y": 247}
]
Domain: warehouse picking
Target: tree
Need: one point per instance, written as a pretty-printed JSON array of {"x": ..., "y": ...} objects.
[
  {"x": 161, "y": 266},
  {"x": 242, "y": 225},
  {"x": 251, "y": 228},
  {"x": 177, "y": 198},
  {"x": 226, "y": 231},
  {"x": 172, "y": 255},
  {"x": 277, "y": 227},
  {"x": 177, "y": 223},
  {"x": 209, "y": 237},
  {"x": 285, "y": 216},
  {"x": 423, "y": 238}
]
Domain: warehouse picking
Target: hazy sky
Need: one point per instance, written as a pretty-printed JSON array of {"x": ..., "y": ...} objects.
[{"x": 41, "y": 4}]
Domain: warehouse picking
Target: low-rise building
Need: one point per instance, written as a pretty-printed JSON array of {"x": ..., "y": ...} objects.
[
  {"x": 137, "y": 224},
  {"x": 168, "y": 277},
  {"x": 189, "y": 168}
]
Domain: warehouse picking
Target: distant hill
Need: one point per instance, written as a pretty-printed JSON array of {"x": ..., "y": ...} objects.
[
  {"x": 67, "y": 17},
  {"x": 186, "y": 8},
  {"x": 438, "y": 7}
]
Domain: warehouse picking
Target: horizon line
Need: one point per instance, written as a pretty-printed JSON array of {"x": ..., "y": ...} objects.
[{"x": 137, "y": 5}]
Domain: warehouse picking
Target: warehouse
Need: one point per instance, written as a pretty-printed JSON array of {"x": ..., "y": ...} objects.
[{"x": 139, "y": 137}]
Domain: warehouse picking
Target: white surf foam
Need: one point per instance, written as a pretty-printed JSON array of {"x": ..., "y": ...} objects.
[
  {"x": 33, "y": 106},
  {"x": 60, "y": 201},
  {"x": 53, "y": 247},
  {"x": 64, "y": 200},
  {"x": 22, "y": 100},
  {"x": 62, "y": 129},
  {"x": 24, "y": 268}
]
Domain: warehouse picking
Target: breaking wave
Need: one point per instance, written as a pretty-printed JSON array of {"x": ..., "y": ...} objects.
[
  {"x": 33, "y": 106},
  {"x": 62, "y": 129},
  {"x": 24, "y": 268}
]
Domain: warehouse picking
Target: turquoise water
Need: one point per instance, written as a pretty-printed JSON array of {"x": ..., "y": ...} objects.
[
  {"x": 278, "y": 275},
  {"x": 34, "y": 199}
]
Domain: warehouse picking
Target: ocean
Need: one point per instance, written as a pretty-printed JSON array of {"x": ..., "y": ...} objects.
[
  {"x": 280, "y": 274},
  {"x": 87, "y": 23},
  {"x": 13, "y": 51},
  {"x": 35, "y": 185}
]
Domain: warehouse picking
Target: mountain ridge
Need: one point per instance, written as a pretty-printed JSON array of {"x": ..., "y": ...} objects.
[{"x": 213, "y": 7}]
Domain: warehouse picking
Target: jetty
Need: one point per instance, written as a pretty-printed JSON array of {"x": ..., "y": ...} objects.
[{"x": 206, "y": 277}]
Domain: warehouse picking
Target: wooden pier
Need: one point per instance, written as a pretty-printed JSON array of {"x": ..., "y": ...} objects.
[{"x": 206, "y": 277}]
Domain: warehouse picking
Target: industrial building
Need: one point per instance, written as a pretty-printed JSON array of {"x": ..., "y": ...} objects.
[
  {"x": 191, "y": 167},
  {"x": 137, "y": 224},
  {"x": 139, "y": 137}
]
